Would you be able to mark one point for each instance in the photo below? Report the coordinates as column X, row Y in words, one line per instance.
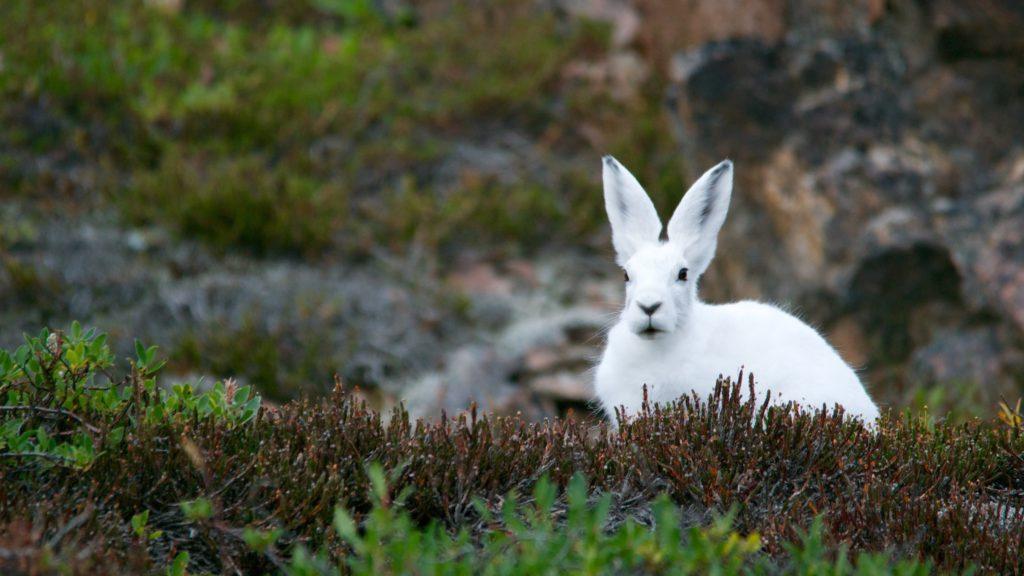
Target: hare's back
column 764, row 328
column 787, row 356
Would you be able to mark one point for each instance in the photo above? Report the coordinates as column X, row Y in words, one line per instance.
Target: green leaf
column 139, row 522
column 260, row 540
column 198, row 509
column 252, row 407
column 378, row 482
column 43, row 440
column 344, row 525
column 179, row 566
column 242, row 395
column 544, row 500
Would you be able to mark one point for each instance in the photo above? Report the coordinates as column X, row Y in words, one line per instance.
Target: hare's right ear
column 631, row 212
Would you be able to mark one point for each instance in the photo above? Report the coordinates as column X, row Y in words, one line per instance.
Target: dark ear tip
column 609, row 161
column 724, row 165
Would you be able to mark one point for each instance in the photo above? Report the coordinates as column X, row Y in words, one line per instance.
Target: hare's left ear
column 632, row 214
column 700, row 215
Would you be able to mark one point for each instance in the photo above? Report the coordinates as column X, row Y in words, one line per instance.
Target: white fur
column 687, row 343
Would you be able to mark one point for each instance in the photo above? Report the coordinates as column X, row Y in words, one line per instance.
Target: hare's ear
column 631, row 212
column 700, row 215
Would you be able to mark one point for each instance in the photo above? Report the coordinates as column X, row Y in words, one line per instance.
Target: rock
column 878, row 181
column 564, row 386
column 847, row 337
column 672, row 25
column 538, row 364
column 474, row 373
column 479, row 279
column 577, row 358
column 985, row 28
column 994, row 253
column 969, row 357
column 541, row 360
column 271, row 321
column 621, row 14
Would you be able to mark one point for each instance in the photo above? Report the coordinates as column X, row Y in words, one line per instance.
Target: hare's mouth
column 650, row 332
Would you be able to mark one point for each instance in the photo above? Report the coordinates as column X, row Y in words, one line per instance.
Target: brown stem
column 52, row 411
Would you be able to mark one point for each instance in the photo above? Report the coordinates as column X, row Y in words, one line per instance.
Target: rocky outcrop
column 537, row 360
column 879, row 183
column 286, row 326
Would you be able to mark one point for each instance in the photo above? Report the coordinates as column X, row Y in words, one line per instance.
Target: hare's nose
column 649, row 309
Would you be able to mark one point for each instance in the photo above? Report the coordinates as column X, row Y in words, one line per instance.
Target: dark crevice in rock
column 890, row 287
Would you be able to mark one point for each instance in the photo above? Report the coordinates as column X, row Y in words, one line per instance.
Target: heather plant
column 105, row 470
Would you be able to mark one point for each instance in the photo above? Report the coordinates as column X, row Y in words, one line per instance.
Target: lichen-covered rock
column 284, row 325
column 878, row 182
column 967, row 358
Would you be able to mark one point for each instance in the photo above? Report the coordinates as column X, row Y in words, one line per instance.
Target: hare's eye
column 682, row 274
column 626, row 274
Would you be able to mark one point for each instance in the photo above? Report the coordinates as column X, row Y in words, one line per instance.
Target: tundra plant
column 62, row 404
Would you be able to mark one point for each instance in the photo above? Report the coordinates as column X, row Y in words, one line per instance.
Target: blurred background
column 407, row 194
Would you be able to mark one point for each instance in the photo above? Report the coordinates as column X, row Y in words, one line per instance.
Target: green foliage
column 239, row 201
column 953, row 401
column 179, row 566
column 811, row 555
column 526, row 540
column 207, row 482
column 224, row 401
column 324, row 123
column 198, row 509
column 479, row 210
column 261, row 541
column 139, row 527
column 62, row 405
column 272, row 361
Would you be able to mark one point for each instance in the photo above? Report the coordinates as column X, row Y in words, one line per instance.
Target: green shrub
column 477, row 211
column 527, row 540
column 61, row 404
column 239, row 202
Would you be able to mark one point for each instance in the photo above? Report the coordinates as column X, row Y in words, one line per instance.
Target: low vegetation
column 105, row 470
column 316, row 125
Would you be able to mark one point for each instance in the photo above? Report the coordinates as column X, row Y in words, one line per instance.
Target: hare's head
column 662, row 265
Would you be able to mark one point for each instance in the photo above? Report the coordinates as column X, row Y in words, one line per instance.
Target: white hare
column 670, row 341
